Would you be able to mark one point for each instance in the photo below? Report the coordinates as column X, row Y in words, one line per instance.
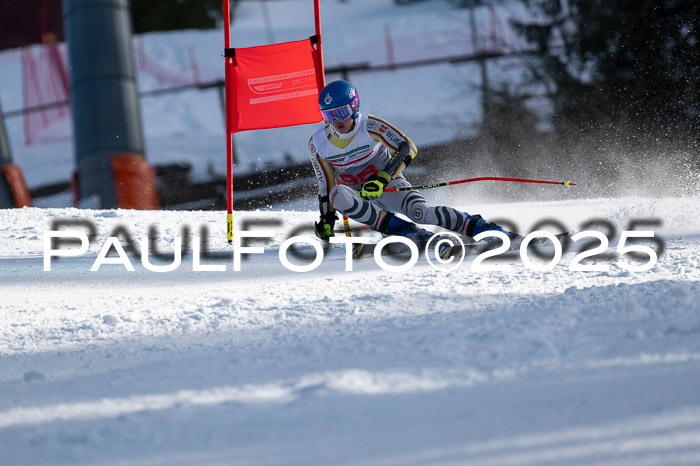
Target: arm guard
column 402, row 158
column 403, row 148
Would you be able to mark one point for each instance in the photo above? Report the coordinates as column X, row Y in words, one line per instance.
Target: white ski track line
column 351, row 381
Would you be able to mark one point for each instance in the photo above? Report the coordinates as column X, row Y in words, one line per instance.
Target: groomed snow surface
column 268, row 366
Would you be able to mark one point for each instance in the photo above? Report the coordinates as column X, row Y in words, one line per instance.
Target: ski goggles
column 339, row 113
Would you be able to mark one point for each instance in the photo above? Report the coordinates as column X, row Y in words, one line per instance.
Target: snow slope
column 269, row 366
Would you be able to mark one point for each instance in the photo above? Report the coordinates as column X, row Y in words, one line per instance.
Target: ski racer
column 355, row 157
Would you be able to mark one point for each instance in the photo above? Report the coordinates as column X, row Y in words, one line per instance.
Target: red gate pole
column 320, row 73
column 229, row 135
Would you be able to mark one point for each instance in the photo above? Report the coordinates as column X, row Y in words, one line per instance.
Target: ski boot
column 393, row 225
column 475, row 224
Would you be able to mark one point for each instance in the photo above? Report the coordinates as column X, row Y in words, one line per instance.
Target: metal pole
column 6, row 200
column 106, row 116
column 482, row 62
column 267, row 21
column 5, row 154
column 13, row 187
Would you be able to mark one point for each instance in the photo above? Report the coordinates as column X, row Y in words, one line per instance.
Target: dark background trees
column 623, row 81
column 628, row 66
column 167, row 15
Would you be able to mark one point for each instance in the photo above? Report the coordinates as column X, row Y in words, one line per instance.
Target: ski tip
column 568, row 183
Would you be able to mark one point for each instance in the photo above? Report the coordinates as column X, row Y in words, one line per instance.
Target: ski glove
column 325, row 226
column 374, row 186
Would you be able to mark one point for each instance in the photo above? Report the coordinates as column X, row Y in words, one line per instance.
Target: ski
column 476, row 248
column 362, row 251
column 469, row 247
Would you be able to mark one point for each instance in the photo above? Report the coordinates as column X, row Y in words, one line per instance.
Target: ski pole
column 348, row 230
column 470, row 180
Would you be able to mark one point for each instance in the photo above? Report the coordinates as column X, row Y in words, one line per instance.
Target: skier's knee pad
column 342, row 197
column 418, row 212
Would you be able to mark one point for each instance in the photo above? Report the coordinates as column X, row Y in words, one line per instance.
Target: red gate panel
column 273, row 86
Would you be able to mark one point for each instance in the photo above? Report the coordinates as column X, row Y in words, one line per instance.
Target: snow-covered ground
column 269, row 366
